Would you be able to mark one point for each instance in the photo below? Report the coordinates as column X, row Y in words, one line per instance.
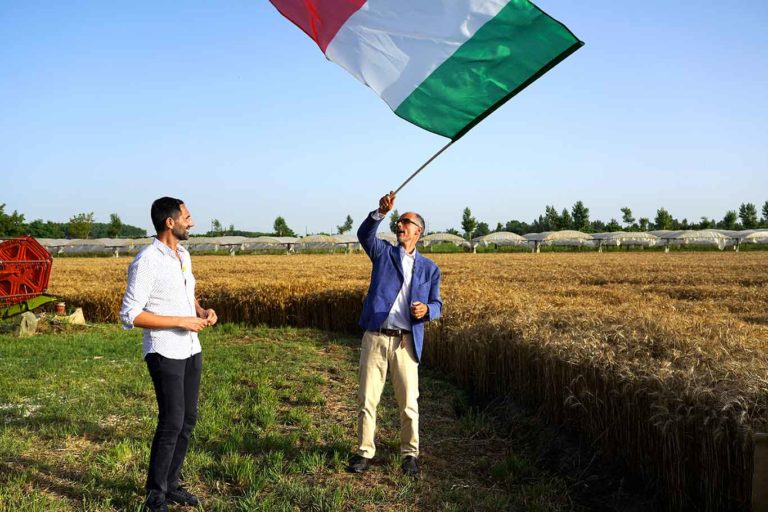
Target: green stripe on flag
column 504, row 56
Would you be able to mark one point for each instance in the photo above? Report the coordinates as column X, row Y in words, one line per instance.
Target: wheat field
column 660, row 358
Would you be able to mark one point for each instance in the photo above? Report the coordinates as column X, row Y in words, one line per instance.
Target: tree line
column 577, row 218
column 80, row 225
column 83, row 225
column 280, row 228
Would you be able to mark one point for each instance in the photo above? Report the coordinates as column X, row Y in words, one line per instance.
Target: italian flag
column 443, row 65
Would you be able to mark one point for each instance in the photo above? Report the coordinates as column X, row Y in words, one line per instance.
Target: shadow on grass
column 76, row 486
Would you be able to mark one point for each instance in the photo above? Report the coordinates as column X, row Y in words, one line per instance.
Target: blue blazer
column 387, row 279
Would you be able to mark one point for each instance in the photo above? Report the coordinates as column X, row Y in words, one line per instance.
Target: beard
column 180, row 234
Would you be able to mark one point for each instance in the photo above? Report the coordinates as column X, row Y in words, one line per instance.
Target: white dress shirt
column 161, row 284
column 400, row 314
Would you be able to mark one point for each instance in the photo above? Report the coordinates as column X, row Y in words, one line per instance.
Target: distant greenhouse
column 349, row 241
column 566, row 238
column 754, row 236
column 261, row 243
column 625, row 238
column 498, row 238
column 719, row 238
column 328, row 242
column 203, row 243
column 704, row 237
column 437, row 238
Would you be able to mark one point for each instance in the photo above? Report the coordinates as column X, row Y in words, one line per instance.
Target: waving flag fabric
column 443, row 65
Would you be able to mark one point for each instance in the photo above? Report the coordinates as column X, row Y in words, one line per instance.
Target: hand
column 386, row 203
column 192, row 323
column 210, row 316
column 418, row 310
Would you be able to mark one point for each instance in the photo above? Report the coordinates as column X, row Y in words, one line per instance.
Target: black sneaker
column 155, row 503
column 410, row 466
column 180, row 496
column 358, row 464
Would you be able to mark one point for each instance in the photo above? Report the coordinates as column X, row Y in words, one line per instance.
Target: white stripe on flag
column 392, row 46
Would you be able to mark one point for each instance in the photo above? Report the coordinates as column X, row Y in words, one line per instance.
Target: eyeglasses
column 406, row 220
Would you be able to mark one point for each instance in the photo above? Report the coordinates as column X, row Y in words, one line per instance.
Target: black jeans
column 177, row 384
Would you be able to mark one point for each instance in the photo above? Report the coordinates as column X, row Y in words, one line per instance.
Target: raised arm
column 366, row 234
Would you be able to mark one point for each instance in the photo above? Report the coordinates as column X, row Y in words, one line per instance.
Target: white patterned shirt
column 161, row 284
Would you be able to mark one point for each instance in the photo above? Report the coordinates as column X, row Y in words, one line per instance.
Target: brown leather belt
column 393, row 332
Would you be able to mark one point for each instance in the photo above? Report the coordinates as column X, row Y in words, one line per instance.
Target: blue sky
column 105, row 106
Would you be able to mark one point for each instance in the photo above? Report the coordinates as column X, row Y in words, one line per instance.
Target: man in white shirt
column 160, row 297
column 403, row 295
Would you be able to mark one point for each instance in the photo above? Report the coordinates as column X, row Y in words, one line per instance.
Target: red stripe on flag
column 320, row 19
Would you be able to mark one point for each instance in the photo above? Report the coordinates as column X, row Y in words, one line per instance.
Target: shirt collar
column 167, row 250
column 403, row 252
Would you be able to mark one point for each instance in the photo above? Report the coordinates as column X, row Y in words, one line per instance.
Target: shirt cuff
column 127, row 317
column 375, row 215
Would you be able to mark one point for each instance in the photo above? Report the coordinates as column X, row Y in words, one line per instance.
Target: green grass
column 276, row 426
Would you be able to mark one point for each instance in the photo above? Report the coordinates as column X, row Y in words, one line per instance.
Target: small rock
column 26, row 325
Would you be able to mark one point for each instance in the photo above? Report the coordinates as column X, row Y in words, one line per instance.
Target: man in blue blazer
column 404, row 294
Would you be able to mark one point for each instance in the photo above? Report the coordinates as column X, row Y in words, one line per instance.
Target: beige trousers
column 378, row 353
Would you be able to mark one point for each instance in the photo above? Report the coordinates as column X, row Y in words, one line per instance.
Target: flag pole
column 423, row 166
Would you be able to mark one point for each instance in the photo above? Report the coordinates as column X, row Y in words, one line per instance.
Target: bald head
column 410, row 227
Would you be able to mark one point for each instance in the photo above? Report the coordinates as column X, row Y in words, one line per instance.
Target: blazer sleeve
column 435, row 304
column 366, row 234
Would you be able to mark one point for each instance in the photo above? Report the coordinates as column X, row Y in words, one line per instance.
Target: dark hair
column 162, row 209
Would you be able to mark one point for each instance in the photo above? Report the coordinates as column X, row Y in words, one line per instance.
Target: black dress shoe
column 155, row 503
column 410, row 466
column 180, row 496
column 358, row 464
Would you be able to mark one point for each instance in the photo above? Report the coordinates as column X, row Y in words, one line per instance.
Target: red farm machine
column 25, row 267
